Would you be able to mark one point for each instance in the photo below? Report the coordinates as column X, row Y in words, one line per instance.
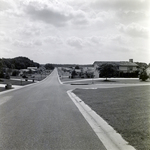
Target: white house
column 123, row 66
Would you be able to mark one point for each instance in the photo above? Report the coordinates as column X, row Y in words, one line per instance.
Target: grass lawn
column 127, row 109
column 102, row 81
column 13, row 82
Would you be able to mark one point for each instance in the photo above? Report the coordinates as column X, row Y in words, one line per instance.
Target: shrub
column 7, row 76
column 143, row 76
column 1, row 74
column 15, row 73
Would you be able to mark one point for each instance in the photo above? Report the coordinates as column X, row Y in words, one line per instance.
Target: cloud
column 121, row 4
column 56, row 13
column 120, row 39
column 37, row 43
column 135, row 30
column 80, row 18
column 131, row 16
column 74, row 42
column 4, row 5
column 53, row 40
column 6, row 50
column 94, row 40
column 50, row 13
column 4, row 37
column 30, row 44
column 95, row 27
column 29, row 30
column 10, row 8
column 2, row 34
column 19, row 43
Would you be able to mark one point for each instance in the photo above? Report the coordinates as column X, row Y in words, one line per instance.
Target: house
column 87, row 72
column 23, row 71
column 123, row 66
column 148, row 71
column 34, row 69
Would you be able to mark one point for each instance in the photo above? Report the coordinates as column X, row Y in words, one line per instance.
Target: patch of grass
column 16, row 82
column 103, row 81
column 127, row 109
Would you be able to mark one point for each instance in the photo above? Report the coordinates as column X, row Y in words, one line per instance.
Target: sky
column 75, row 31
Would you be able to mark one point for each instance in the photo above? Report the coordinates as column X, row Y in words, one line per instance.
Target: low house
column 123, row 66
column 87, row 72
column 33, row 69
column 23, row 71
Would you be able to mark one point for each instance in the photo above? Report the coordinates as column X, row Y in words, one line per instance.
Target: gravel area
column 127, row 109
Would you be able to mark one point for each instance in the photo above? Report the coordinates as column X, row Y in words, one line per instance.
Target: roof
column 118, row 63
column 31, row 67
column 78, row 70
column 90, row 70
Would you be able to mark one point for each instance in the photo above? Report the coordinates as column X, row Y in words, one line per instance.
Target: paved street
column 42, row 116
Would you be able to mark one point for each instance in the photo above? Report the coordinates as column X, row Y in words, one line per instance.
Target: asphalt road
column 43, row 117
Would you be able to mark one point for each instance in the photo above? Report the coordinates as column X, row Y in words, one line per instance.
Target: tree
column 143, row 75
column 108, row 70
column 49, row 66
column 15, row 73
column 141, row 65
column 17, row 63
column 77, row 67
column 73, row 74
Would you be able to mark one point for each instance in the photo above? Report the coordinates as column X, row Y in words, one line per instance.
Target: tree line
column 17, row 63
column 12, row 65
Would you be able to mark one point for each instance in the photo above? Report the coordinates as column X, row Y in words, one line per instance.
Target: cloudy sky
column 75, row 31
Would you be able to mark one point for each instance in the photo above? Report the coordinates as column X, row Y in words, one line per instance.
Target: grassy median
column 127, row 109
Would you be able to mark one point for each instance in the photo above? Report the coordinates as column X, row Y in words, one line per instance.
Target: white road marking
column 107, row 135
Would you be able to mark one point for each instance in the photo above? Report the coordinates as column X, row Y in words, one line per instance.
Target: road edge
column 107, row 135
column 21, row 87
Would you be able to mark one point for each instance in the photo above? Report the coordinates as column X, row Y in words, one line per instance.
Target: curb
column 107, row 135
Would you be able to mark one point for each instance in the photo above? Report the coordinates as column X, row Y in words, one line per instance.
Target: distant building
column 123, row 66
column 32, row 68
column 148, row 71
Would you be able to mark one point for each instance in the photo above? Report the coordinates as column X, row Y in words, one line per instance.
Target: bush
column 1, row 74
column 7, row 76
column 143, row 76
column 73, row 74
column 15, row 73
